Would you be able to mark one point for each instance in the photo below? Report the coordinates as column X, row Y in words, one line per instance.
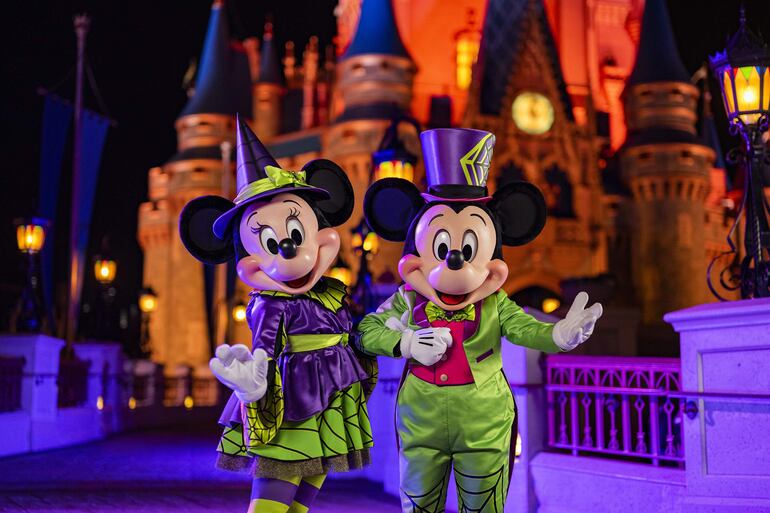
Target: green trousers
column 461, row 427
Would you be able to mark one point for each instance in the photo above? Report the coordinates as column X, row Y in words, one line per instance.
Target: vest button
column 443, row 377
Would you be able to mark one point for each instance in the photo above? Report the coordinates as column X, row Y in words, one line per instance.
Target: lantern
column 239, row 312
column 392, row 159
column 550, row 304
column 105, row 270
column 30, row 234
column 341, row 271
column 467, row 43
column 364, row 240
column 742, row 71
column 148, row 300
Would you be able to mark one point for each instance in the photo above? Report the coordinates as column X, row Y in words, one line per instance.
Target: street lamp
column 30, row 237
column 366, row 244
column 105, row 269
column 742, row 70
column 148, row 302
column 392, row 159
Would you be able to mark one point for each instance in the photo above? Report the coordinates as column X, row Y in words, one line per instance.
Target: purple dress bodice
column 309, row 378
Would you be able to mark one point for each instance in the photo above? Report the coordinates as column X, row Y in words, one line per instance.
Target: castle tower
column 268, row 89
column 374, row 86
column 519, row 93
column 667, row 168
column 179, row 330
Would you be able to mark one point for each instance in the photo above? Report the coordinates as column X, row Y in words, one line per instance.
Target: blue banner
column 94, row 130
column 57, row 118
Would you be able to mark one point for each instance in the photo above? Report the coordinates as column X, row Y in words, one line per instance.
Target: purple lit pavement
column 152, row 471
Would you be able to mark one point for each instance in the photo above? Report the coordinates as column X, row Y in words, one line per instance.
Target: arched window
column 558, row 193
column 510, row 173
column 537, row 297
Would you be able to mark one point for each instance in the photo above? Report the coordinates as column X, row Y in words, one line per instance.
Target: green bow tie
column 434, row 312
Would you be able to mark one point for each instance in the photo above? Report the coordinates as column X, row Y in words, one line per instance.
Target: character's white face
column 287, row 251
column 455, row 265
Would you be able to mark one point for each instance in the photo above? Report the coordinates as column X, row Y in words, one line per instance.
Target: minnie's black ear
column 390, row 205
column 196, row 230
column 330, row 177
column 520, row 209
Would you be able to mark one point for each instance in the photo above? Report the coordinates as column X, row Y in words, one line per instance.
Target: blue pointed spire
column 222, row 75
column 269, row 66
column 657, row 59
column 377, row 31
column 710, row 136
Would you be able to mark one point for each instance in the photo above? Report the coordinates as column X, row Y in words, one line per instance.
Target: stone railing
column 11, row 371
column 48, row 402
column 72, row 382
column 622, row 407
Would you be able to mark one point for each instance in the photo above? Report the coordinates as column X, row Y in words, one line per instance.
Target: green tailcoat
column 497, row 317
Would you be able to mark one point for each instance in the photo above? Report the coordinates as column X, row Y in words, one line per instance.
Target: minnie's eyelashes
column 294, row 212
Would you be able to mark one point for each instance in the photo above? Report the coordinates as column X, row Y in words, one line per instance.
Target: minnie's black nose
column 287, row 248
column 455, row 260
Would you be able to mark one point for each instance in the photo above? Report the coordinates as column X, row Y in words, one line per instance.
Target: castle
column 589, row 100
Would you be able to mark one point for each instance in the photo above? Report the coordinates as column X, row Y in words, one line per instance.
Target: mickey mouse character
column 455, row 408
column 298, row 409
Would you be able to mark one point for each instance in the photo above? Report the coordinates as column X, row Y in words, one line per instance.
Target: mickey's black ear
column 330, row 177
column 390, row 205
column 521, row 211
column 196, row 224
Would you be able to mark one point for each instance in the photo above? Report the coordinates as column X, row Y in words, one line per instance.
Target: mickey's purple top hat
column 258, row 177
column 457, row 163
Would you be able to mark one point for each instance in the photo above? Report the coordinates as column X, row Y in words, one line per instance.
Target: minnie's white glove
column 426, row 345
column 578, row 325
column 241, row 371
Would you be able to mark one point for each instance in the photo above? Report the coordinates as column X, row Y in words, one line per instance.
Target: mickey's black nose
column 455, row 260
column 287, row 248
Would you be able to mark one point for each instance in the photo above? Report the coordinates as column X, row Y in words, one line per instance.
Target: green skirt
column 337, row 439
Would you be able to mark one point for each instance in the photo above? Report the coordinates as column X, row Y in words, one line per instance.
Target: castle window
column 466, row 51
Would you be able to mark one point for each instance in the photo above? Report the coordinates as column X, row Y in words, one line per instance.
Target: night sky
column 139, row 52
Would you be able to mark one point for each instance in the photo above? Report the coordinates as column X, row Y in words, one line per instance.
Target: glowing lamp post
column 30, row 237
column 148, row 303
column 742, row 70
column 105, row 270
column 392, row 159
column 366, row 244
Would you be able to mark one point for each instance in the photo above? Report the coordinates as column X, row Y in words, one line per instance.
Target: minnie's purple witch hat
column 258, row 177
column 457, row 163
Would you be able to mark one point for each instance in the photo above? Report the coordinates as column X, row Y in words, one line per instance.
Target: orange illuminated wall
column 596, row 41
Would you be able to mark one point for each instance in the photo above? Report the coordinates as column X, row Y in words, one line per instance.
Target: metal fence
column 615, row 406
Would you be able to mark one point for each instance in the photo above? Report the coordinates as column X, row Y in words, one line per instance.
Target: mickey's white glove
column 426, row 345
column 578, row 325
column 241, row 371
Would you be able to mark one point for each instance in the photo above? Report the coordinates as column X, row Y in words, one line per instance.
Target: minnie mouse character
column 455, row 408
column 298, row 409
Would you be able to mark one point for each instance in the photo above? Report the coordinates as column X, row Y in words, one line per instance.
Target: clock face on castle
column 532, row 113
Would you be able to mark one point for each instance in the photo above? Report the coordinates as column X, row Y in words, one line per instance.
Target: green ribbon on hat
column 276, row 179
